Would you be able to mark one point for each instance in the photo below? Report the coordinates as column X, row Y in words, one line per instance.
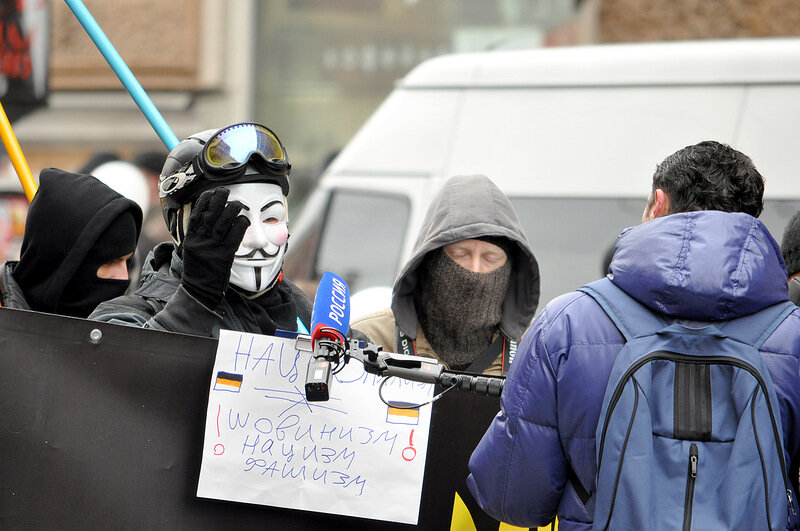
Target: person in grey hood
column 470, row 287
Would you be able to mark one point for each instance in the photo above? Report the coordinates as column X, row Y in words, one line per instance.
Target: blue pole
column 123, row 73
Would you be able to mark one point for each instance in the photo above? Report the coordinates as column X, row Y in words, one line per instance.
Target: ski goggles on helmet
column 229, row 151
column 239, row 153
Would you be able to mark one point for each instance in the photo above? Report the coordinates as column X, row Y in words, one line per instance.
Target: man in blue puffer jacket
column 699, row 255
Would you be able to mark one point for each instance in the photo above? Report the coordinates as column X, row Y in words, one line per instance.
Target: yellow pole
column 17, row 158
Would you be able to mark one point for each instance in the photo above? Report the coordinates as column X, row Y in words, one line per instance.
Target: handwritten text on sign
column 351, row 455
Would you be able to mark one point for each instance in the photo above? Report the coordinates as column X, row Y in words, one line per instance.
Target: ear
column 660, row 204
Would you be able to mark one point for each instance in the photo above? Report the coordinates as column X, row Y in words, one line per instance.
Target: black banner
column 24, row 55
column 101, row 426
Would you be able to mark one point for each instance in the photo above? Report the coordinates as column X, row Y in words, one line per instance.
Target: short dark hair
column 710, row 176
column 790, row 245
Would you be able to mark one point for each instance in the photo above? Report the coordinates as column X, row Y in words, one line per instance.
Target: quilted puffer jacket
column 696, row 266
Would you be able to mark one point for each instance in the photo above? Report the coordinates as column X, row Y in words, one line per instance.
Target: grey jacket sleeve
column 185, row 314
column 181, row 313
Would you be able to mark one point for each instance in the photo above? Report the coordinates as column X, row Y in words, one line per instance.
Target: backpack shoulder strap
column 631, row 317
column 755, row 328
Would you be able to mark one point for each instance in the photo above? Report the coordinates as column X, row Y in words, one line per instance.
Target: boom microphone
column 330, row 320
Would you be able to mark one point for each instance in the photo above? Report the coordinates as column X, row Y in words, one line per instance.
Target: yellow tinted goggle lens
column 235, row 145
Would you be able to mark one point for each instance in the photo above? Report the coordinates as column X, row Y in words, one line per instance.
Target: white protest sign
column 351, row 455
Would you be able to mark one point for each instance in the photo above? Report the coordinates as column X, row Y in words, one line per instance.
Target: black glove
column 214, row 233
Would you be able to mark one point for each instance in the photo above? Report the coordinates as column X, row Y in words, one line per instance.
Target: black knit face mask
column 458, row 309
column 85, row 289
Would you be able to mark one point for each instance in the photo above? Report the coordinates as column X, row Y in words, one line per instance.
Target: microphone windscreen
column 331, row 315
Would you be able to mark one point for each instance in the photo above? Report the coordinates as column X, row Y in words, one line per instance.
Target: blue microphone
column 330, row 320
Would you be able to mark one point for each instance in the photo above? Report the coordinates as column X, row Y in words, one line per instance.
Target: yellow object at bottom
column 462, row 520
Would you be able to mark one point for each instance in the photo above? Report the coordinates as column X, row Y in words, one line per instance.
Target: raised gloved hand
column 214, row 234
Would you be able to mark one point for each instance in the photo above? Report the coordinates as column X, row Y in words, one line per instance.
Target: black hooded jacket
column 68, row 216
column 161, row 302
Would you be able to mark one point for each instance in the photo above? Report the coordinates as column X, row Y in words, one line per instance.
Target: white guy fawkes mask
column 259, row 258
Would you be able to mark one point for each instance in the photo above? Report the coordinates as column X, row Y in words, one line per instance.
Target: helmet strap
column 182, row 222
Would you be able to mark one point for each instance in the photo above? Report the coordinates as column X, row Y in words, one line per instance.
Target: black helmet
column 239, row 153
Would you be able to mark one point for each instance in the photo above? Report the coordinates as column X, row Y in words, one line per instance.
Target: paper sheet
column 351, row 455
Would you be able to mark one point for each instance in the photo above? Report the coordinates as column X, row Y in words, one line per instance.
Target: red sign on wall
column 24, row 55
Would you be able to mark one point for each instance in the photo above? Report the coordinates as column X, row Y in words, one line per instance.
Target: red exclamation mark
column 219, row 448
column 409, row 452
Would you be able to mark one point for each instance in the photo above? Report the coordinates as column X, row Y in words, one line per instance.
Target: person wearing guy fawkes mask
column 223, row 195
column 470, row 287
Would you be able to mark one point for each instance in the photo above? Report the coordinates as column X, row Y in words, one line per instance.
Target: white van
column 572, row 135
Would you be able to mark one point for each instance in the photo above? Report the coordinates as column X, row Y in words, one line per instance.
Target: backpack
column 689, row 434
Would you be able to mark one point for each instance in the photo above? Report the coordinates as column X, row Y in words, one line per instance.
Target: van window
column 571, row 237
column 362, row 238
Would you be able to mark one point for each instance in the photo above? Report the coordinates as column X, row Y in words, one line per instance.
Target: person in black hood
column 223, row 197
column 79, row 234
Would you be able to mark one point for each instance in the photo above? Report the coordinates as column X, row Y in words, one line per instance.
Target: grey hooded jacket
column 467, row 207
